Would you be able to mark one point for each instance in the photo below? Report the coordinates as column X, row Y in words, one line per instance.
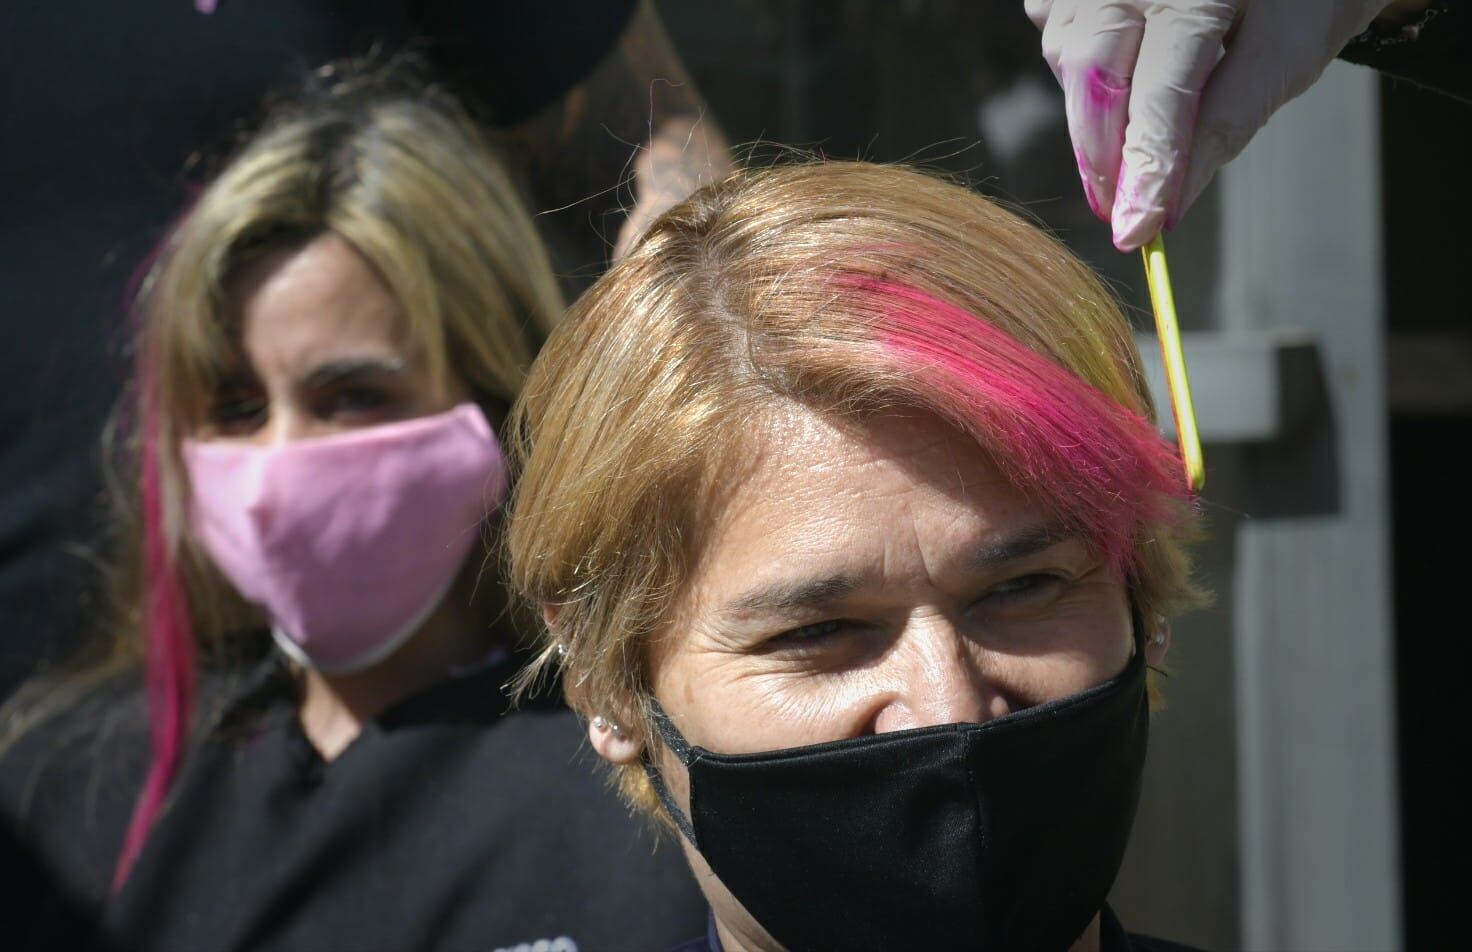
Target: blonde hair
column 851, row 288
column 371, row 151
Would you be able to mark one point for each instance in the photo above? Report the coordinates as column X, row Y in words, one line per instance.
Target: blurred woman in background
column 843, row 502
column 327, row 342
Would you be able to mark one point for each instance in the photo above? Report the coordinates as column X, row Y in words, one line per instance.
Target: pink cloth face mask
column 350, row 541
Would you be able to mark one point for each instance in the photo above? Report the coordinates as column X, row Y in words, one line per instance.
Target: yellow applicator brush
column 1163, row 302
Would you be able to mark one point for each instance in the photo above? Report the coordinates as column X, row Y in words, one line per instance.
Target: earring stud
column 601, row 723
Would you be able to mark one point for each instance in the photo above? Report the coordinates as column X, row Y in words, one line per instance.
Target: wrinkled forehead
column 807, row 487
column 813, row 449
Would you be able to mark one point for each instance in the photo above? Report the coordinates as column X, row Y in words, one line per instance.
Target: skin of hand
column 1161, row 93
column 684, row 154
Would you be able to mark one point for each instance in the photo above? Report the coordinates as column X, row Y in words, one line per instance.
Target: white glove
column 1161, row 93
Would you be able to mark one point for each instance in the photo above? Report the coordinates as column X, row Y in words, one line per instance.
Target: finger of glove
column 1058, row 21
column 1264, row 67
column 1037, row 11
column 1177, row 55
column 1097, row 61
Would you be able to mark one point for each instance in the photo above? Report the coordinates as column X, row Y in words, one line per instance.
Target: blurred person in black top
column 291, row 731
column 101, row 105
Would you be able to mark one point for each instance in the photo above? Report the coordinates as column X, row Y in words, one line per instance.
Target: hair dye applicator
column 1163, row 303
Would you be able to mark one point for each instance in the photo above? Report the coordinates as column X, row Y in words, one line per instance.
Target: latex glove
column 1161, row 93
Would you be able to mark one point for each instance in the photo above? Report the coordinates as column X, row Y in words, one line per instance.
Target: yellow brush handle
column 1157, row 274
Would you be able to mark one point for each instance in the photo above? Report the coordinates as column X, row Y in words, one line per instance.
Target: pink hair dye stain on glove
column 1105, row 88
column 1098, row 133
column 1100, row 466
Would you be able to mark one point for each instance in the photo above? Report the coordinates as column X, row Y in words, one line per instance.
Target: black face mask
column 1001, row 835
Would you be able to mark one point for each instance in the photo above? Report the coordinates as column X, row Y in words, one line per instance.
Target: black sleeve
column 517, row 57
column 1434, row 51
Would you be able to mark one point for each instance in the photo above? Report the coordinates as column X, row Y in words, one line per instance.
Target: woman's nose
column 937, row 680
column 284, row 424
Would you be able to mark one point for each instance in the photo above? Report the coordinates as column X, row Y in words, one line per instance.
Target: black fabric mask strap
column 671, row 735
column 676, row 742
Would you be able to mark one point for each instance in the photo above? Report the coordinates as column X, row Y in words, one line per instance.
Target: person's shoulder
column 67, row 786
column 541, row 749
column 95, row 747
column 70, row 778
column 535, row 812
column 533, row 754
column 92, row 743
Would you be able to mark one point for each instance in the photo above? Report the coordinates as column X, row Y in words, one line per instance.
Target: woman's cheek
column 771, row 711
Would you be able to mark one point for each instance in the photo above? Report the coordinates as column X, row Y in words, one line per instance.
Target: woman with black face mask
column 854, row 538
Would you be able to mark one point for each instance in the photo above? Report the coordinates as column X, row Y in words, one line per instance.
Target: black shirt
column 1112, row 938
column 101, row 105
column 449, row 823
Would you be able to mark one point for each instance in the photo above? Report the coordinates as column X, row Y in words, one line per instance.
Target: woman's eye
column 807, row 635
column 1025, row 586
column 355, row 400
column 238, row 414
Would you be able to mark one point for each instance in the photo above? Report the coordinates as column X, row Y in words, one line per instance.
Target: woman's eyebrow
column 792, row 598
column 236, row 380
column 1019, row 545
column 788, row 598
column 337, row 371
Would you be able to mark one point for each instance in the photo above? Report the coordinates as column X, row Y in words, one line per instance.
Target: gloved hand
column 1154, row 104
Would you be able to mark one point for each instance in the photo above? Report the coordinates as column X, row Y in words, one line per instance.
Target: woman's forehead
column 796, row 448
column 821, row 487
column 294, row 309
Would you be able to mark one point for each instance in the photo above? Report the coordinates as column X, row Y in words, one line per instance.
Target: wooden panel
column 1316, row 764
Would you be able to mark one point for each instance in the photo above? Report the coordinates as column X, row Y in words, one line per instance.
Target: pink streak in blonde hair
column 1102, row 467
column 170, row 642
column 168, row 631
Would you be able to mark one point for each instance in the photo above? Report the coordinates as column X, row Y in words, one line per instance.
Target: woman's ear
column 1158, row 644
column 613, row 742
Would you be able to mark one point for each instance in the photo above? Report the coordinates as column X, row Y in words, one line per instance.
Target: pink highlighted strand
column 1103, row 468
column 170, row 674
